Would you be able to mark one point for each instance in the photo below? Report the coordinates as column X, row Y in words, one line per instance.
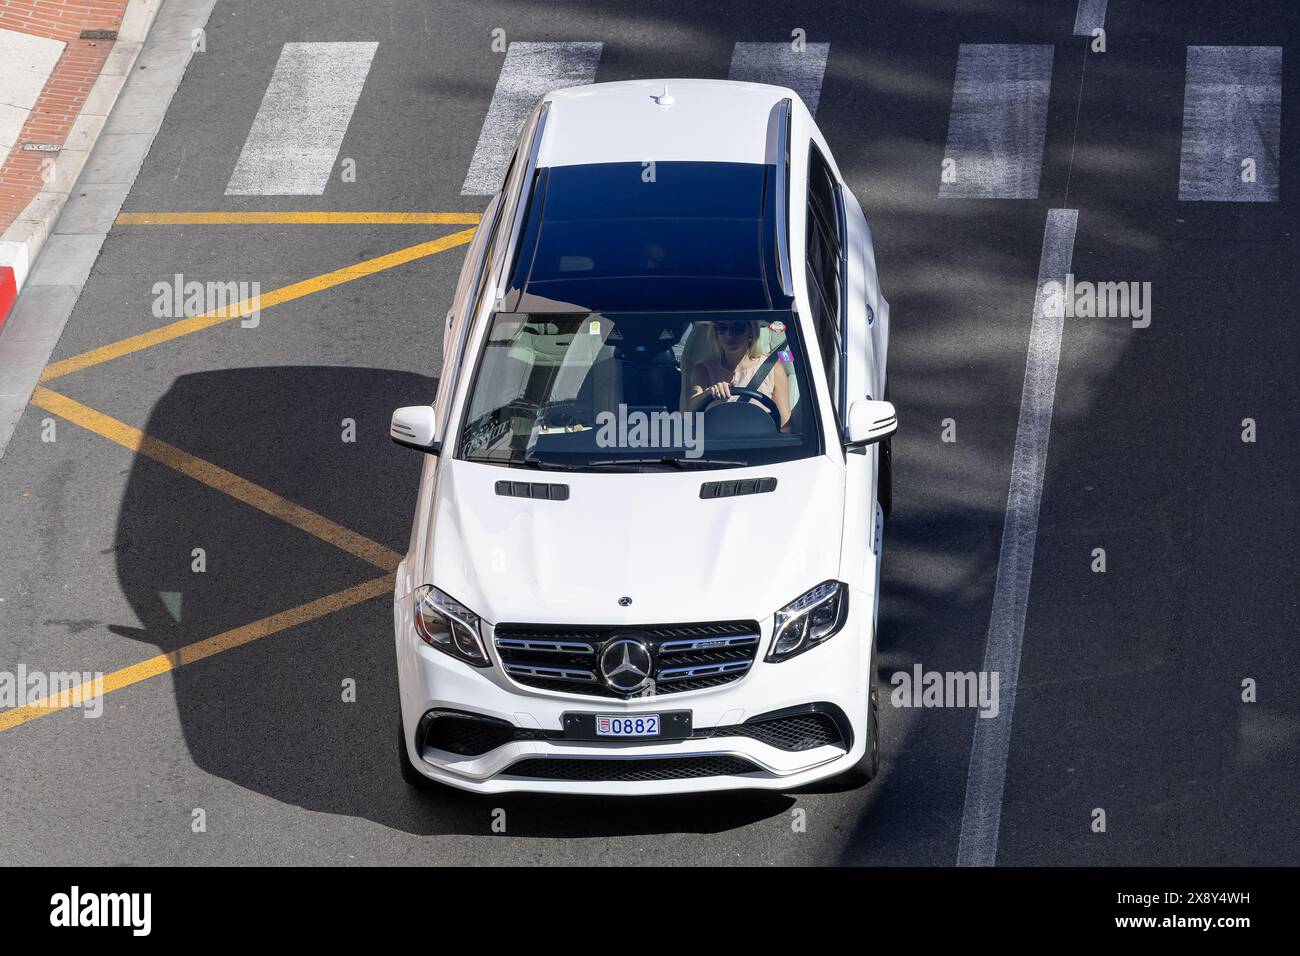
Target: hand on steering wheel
column 738, row 391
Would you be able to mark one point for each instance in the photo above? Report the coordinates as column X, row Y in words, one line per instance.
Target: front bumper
column 835, row 676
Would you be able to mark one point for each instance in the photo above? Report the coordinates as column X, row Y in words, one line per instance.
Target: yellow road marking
column 162, row 663
column 296, row 218
column 216, row 477
column 106, row 353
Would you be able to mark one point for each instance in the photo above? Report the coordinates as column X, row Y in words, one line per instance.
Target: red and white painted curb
column 13, row 272
column 21, row 239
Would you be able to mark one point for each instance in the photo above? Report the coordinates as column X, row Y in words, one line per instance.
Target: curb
column 13, row 273
column 22, row 241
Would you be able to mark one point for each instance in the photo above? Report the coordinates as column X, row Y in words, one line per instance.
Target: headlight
column 449, row 626
column 809, row 619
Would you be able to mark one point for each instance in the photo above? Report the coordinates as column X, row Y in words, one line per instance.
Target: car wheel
column 409, row 773
column 868, row 765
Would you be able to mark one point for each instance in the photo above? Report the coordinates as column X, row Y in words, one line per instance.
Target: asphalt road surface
column 1129, row 698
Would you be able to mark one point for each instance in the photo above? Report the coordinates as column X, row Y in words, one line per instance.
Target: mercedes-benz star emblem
column 626, row 665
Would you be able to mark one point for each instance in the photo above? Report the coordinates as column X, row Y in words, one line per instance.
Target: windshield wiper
column 542, row 465
column 682, row 464
column 527, row 462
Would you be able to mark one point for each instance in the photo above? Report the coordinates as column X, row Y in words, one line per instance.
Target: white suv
column 646, row 548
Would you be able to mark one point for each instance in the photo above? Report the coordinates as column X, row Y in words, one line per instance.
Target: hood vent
column 730, row 489
column 533, row 489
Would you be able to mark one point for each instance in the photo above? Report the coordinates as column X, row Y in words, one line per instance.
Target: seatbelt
column 764, row 369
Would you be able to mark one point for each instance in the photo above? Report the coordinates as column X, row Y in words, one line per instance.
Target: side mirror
column 869, row 422
column 412, row 426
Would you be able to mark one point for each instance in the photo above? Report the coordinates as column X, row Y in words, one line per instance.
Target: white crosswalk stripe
column 299, row 127
column 530, row 71
column 997, row 122
column 781, row 64
column 1091, row 15
column 1232, row 112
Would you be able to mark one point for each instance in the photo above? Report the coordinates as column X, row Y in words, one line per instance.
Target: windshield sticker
column 777, row 327
column 485, row 435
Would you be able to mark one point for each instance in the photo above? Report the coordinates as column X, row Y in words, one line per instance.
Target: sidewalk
column 62, row 65
column 69, row 212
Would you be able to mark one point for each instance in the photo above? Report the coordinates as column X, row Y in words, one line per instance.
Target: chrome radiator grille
column 565, row 658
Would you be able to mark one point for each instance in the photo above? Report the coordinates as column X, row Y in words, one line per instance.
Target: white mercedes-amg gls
column 647, row 539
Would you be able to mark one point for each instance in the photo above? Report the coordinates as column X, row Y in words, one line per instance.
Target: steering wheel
column 769, row 406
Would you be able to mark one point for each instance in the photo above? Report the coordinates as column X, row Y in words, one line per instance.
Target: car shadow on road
column 271, row 716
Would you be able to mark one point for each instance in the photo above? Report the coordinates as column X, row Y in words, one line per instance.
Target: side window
column 823, row 257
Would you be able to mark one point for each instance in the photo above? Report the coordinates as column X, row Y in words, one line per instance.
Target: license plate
column 667, row 725
column 632, row 725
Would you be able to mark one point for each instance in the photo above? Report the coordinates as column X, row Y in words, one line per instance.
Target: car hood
column 648, row 537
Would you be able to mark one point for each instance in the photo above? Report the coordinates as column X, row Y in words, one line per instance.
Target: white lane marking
column 299, row 127
column 1232, row 115
column 982, row 813
column 530, row 71
column 1090, row 16
column 781, row 65
column 998, row 121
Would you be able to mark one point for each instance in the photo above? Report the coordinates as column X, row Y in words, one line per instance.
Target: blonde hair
column 755, row 348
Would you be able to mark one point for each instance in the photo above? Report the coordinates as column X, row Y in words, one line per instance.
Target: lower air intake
column 630, row 771
column 796, row 732
column 465, row 735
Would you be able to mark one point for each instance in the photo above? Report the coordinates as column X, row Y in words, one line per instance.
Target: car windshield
column 639, row 391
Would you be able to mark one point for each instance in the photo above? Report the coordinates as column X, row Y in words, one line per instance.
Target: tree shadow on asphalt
column 1130, row 681
column 270, row 716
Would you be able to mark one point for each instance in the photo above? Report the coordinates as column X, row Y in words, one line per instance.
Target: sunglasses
column 735, row 328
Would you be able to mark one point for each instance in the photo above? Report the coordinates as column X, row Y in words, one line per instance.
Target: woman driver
column 738, row 356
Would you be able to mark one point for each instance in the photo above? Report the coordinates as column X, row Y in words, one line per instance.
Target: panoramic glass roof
column 631, row 237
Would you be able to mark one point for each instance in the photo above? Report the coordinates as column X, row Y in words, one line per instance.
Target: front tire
column 412, row 776
column 868, row 765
